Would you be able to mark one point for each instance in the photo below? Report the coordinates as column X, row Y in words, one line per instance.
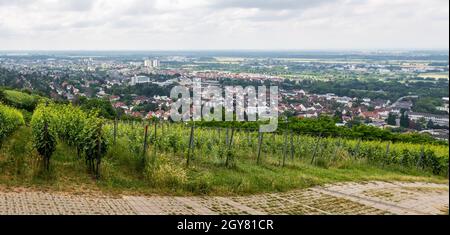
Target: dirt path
column 349, row 198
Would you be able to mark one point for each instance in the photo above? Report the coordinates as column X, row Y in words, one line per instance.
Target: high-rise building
column 148, row 63
column 155, row 63
column 151, row 63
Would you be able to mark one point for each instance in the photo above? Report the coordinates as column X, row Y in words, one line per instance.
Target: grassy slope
column 19, row 167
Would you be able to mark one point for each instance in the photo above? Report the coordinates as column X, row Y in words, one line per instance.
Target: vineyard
column 227, row 146
column 19, row 99
column 10, row 120
column 71, row 125
column 71, row 144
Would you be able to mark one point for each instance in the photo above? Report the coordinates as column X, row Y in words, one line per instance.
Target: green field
column 434, row 75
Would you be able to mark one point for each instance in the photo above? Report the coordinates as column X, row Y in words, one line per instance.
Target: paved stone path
column 373, row 198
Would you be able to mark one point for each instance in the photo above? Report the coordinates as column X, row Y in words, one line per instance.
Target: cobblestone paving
column 39, row 203
column 371, row 198
column 397, row 198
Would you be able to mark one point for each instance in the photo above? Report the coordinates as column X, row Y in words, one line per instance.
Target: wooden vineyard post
column 285, row 148
column 191, row 145
column 232, row 137
column 316, row 148
column 388, row 148
column 229, row 147
column 155, row 146
column 260, row 140
column 336, row 147
column 145, row 141
column 97, row 163
column 422, row 156
column 227, row 136
column 47, row 156
column 292, row 145
column 154, row 135
column 299, row 142
column 358, row 146
column 115, row 130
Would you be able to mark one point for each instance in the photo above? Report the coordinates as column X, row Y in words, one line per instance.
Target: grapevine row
column 67, row 123
column 226, row 146
column 10, row 120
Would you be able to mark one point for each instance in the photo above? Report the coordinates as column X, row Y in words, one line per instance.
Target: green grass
column 124, row 173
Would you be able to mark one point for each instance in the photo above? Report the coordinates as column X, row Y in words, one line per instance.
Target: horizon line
column 229, row 50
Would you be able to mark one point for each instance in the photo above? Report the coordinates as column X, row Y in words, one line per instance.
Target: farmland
column 434, row 75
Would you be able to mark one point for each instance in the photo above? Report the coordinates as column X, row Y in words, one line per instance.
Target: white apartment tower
column 151, row 63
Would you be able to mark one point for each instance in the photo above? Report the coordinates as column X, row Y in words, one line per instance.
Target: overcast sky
column 223, row 24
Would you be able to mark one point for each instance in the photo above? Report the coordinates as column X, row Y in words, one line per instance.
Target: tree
column 430, row 124
column 392, row 119
column 356, row 121
column 415, row 125
column 422, row 122
column 289, row 113
column 404, row 120
column 104, row 107
column 338, row 116
column 428, row 105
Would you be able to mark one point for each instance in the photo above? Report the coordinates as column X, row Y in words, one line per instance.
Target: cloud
column 76, row 5
column 48, row 5
column 14, row 3
column 269, row 4
column 223, row 24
